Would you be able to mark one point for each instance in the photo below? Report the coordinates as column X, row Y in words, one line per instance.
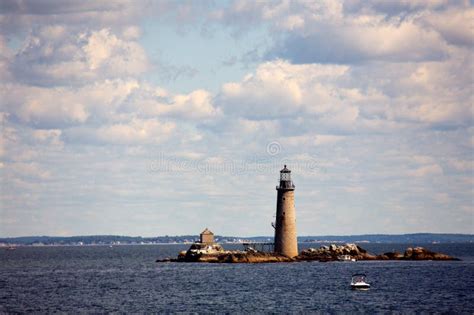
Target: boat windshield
column 358, row 277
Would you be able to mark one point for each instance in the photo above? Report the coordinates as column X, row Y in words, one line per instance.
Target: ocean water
column 98, row 279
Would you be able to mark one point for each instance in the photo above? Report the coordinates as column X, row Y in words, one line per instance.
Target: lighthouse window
column 283, row 198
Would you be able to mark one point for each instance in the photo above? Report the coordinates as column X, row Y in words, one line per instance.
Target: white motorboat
column 358, row 282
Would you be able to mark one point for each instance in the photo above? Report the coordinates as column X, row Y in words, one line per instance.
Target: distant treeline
column 394, row 238
column 115, row 239
column 96, row 239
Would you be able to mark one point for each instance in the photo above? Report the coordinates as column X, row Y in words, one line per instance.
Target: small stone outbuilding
column 206, row 237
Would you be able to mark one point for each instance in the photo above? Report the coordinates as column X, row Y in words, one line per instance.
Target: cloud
column 355, row 189
column 279, row 89
column 53, row 56
column 29, row 170
column 42, row 108
column 454, row 25
column 348, row 32
column 394, row 8
column 63, row 106
column 329, row 44
column 17, row 16
column 154, row 101
column 50, row 136
column 337, row 98
column 5, row 56
column 466, row 166
column 137, row 131
column 309, row 140
column 433, row 169
column 328, row 139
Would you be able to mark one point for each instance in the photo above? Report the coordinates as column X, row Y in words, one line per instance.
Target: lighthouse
column 285, row 225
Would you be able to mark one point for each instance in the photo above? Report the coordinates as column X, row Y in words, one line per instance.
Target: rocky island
column 214, row 253
column 207, row 251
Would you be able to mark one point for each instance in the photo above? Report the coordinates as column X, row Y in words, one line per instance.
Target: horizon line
column 217, row 235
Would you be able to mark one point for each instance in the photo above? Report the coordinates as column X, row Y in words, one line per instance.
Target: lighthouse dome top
column 285, row 170
column 285, row 178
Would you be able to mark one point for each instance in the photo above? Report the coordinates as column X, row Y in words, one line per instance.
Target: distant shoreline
column 108, row 240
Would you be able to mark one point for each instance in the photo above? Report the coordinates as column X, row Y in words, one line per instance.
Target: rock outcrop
column 229, row 257
column 335, row 252
column 420, row 253
column 352, row 252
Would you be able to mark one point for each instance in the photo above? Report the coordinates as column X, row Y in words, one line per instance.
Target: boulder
column 334, row 252
column 352, row 247
column 361, row 250
column 420, row 253
column 393, row 255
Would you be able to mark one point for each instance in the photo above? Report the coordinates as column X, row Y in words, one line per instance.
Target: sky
column 165, row 117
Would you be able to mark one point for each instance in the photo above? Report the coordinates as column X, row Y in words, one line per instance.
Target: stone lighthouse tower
column 285, row 226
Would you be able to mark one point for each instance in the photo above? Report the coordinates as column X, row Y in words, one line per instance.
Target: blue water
column 97, row 279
